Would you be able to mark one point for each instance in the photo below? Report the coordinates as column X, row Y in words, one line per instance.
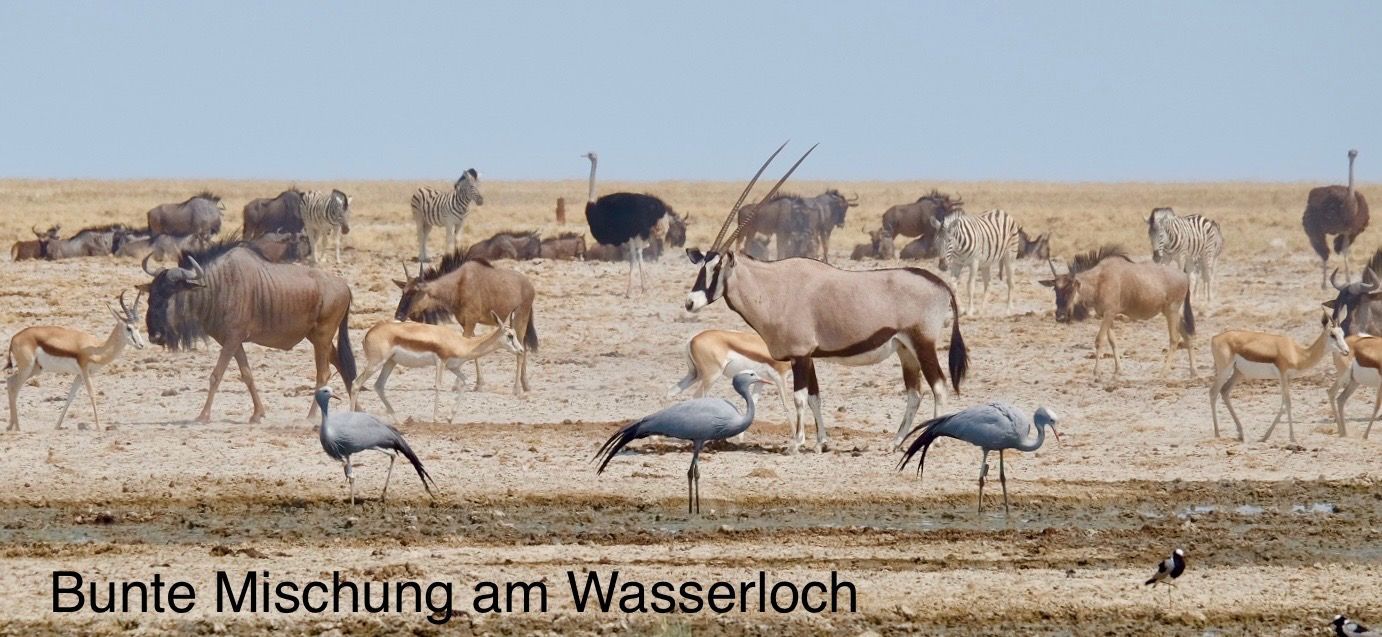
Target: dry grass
column 1081, row 215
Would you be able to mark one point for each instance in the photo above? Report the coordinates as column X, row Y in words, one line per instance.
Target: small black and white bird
column 1169, row 569
column 1345, row 627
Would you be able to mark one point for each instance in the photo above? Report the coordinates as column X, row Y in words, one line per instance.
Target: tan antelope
column 805, row 309
column 1359, row 364
column 392, row 343
column 60, row 349
column 712, row 354
column 1241, row 354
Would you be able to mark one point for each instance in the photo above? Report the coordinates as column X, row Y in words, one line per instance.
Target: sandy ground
column 1280, row 536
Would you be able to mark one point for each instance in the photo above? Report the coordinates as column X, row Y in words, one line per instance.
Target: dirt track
column 1280, row 537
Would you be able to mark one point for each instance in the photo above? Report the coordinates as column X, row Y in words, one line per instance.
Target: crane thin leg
column 350, row 477
column 1003, row 480
column 385, row 494
column 983, row 471
column 693, row 480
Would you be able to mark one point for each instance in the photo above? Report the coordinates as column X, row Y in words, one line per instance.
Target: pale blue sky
column 1070, row 91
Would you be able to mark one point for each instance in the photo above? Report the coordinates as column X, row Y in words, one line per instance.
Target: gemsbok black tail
column 959, row 354
column 345, row 357
column 1187, row 322
column 616, row 443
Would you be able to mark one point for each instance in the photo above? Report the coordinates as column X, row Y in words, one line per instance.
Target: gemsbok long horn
column 743, row 223
column 744, row 195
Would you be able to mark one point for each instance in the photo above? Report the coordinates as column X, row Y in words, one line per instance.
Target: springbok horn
column 1332, row 276
column 124, row 307
column 145, row 264
column 745, row 222
column 134, row 309
column 733, row 211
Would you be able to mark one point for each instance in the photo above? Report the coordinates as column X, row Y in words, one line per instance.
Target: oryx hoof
column 793, row 449
column 823, row 446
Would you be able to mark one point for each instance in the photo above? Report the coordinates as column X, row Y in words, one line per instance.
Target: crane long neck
column 747, row 418
column 590, row 194
column 1032, row 444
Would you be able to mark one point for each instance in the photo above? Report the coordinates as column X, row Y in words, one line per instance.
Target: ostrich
column 1338, row 210
column 625, row 219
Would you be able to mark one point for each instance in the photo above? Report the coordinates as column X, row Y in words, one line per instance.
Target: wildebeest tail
column 923, row 442
column 1187, row 322
column 959, row 354
column 407, row 451
column 530, row 339
column 345, row 357
column 616, row 443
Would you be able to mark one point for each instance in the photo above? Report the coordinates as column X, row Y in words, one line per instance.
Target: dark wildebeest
column 279, row 214
column 918, row 219
column 920, row 249
column 520, row 246
column 1358, row 306
column 229, row 293
column 36, row 248
column 1338, row 210
column 783, row 215
column 88, row 242
column 603, row 252
column 1108, row 283
column 473, row 292
column 675, row 237
column 878, row 247
column 1029, row 248
column 567, row 246
column 163, row 247
column 282, row 247
column 201, row 214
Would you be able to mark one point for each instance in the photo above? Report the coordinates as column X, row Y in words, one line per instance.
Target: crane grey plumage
column 993, row 427
column 699, row 420
column 347, row 433
column 1345, row 627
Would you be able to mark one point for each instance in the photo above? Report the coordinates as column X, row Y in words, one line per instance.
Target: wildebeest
column 473, row 292
column 919, row 249
column 567, row 246
column 1106, row 282
column 878, row 247
column 279, row 214
column 282, row 247
column 35, row 248
column 603, row 252
column 163, row 247
column 1358, row 306
column 88, row 242
column 918, row 219
column 1029, row 248
column 200, row 214
column 785, row 215
column 520, row 246
column 228, row 293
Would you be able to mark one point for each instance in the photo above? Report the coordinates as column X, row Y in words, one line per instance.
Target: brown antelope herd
column 769, row 261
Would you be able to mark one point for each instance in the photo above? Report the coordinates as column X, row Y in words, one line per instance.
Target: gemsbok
column 1361, row 364
column 712, row 354
column 1108, row 284
column 393, row 343
column 805, row 309
column 60, row 349
column 1241, row 354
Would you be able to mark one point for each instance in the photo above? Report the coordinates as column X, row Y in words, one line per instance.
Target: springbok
column 805, row 309
column 392, row 343
column 712, row 354
column 60, row 349
column 1262, row 356
column 1360, row 364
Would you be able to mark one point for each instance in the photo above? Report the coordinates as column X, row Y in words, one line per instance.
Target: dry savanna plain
column 1279, row 536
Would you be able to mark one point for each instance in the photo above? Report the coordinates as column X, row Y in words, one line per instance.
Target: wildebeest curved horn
column 406, row 276
column 1332, row 276
column 145, row 264
column 198, row 272
column 36, row 232
column 1370, row 282
column 1051, row 262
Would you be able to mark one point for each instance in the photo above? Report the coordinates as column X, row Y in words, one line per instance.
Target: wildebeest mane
column 207, row 255
column 205, row 194
column 569, row 235
column 1087, row 260
column 99, row 229
column 450, row 263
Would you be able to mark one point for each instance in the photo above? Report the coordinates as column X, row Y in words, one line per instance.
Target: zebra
column 977, row 242
column 1194, row 241
column 323, row 215
column 447, row 209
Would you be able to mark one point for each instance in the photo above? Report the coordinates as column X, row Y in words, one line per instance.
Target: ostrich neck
column 590, row 194
column 1034, row 444
column 1350, row 179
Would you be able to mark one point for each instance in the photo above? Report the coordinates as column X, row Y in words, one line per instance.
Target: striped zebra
column 1193, row 241
column 978, row 242
column 446, row 209
column 325, row 214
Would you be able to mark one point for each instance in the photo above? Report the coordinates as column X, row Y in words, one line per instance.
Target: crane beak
column 1057, row 434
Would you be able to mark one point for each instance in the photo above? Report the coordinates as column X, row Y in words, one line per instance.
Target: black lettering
column 527, row 588
column 490, row 598
column 789, row 587
column 806, row 597
column 307, row 593
column 662, row 593
column 691, row 591
column 603, row 597
column 181, row 591
column 441, row 613
column 835, row 588
column 721, row 591
column 223, row 592
column 286, row 592
column 74, row 589
column 632, row 600
column 125, row 589
column 336, row 586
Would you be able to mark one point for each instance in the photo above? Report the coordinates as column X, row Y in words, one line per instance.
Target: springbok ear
column 400, row 284
column 695, row 256
column 1325, row 319
column 497, row 320
column 1050, row 283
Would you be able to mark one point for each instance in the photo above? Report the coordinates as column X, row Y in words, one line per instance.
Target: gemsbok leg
column 807, row 393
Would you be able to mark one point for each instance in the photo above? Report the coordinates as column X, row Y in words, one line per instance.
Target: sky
column 1051, row 91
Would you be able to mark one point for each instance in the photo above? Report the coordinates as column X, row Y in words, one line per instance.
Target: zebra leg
column 451, row 237
column 984, row 300
column 969, row 289
column 336, row 230
column 422, row 231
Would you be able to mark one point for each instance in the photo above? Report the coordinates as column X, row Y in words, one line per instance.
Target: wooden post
column 561, row 210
